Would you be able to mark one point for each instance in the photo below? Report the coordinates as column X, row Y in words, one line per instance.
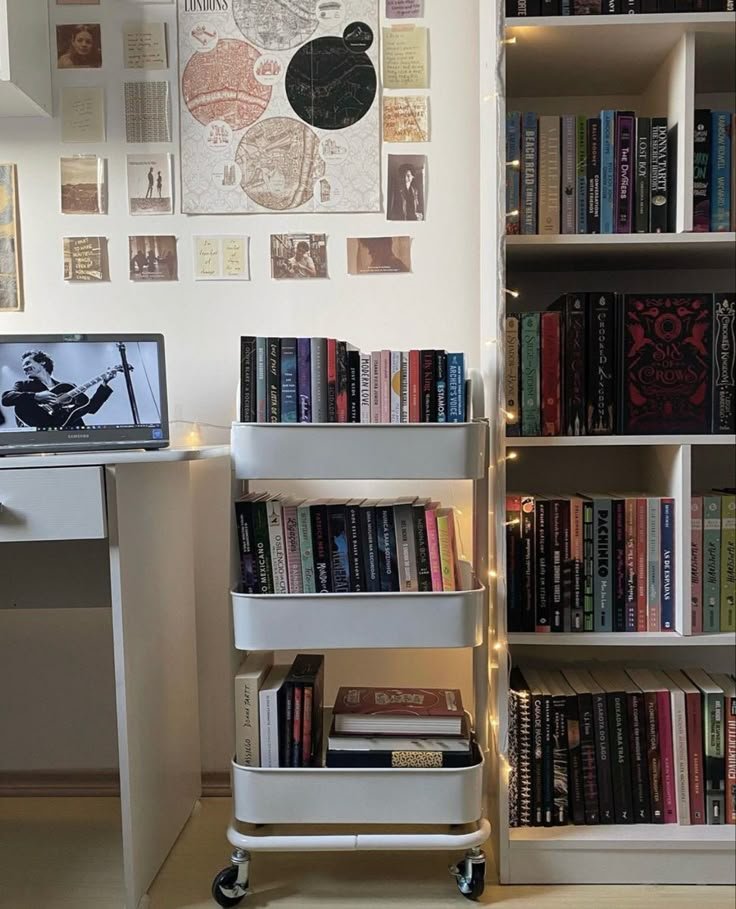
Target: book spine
column 574, row 365
column 728, row 563
column 435, row 566
column 304, row 380
column 694, row 718
column 456, row 388
column 385, row 386
column 555, row 556
column 588, row 567
column 513, row 172
column 642, row 589
column 388, row 565
column 306, row 550
column 603, row 759
column 724, row 364
column 278, row 546
column 715, row 767
column 421, row 547
column 353, row 389
column 331, row 380
column 630, row 565
column 560, row 761
column 269, row 727
column 446, row 555
column 307, row 757
column 603, row 596
column 664, row 729
column 513, row 758
column 319, row 379
column 588, row 758
column 405, row 548
column 618, row 563
column 624, row 193
column 286, row 724
column 247, row 722
column 293, row 549
column 428, row 400
column 395, row 386
column 261, row 379
column 654, row 757
column 549, row 175
column 537, row 711
column 296, row 732
column 567, row 565
column 365, row 388
column 414, row 387
column 338, row 542
column 680, row 753
column 569, row 207
column 542, row 562
column 548, row 779
column 550, row 391
column 577, row 544
column 527, row 582
column 529, row 174
column 246, row 547
column 530, row 384
column 248, row 410
column 639, row 766
column 658, row 201
column 618, row 735
column 667, row 564
column 514, row 580
column 730, row 758
column 405, row 386
column 376, row 386
column 581, row 174
column 264, row 570
column 643, row 166
column 288, row 381
column 720, row 201
column 601, row 351
column 711, row 564
column 608, row 171
column 654, row 608
column 524, row 738
column 701, row 171
column 440, row 371
column 732, row 5
column 593, row 176
column 696, row 565
column 341, row 382
column 369, row 536
column 355, row 549
column 321, row 547
column 273, row 381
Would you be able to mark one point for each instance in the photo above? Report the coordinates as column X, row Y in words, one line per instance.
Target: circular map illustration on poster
column 330, row 86
column 221, row 85
column 280, row 162
column 276, row 24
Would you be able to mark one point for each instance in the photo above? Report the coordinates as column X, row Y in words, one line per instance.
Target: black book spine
column 557, row 623
column 685, row 6
column 701, row 171
column 588, row 759
column 353, row 386
column 658, row 188
column 611, row 8
column 631, row 7
column 618, row 557
column 427, row 390
column 601, row 364
column 387, row 557
column 439, row 404
column 369, row 538
column 537, row 759
column 513, row 564
column 672, row 179
column 560, row 746
column 603, row 759
column 287, row 725
column 321, row 548
column 638, row 751
column 574, row 365
column 337, row 533
column 550, row 7
column 248, row 379
column 548, row 765
column 527, row 586
column 649, row 6
column 620, row 762
column 575, row 758
column 643, row 167
column 264, row 569
column 421, row 545
column 724, row 362
column 273, row 381
column 594, row 175
column 543, row 571
column 246, row 547
column 355, row 549
column 665, row 6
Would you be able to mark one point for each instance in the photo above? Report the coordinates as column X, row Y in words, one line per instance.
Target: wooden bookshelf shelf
column 629, row 836
column 600, row 639
column 594, row 252
column 607, row 441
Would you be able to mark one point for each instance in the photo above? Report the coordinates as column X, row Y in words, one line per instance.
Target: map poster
column 280, row 106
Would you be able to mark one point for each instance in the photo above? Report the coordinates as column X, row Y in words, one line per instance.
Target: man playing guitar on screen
column 41, row 401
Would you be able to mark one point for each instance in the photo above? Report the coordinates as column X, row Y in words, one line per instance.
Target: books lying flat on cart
column 397, row 711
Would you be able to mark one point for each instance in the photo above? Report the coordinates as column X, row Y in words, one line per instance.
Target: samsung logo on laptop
column 78, row 435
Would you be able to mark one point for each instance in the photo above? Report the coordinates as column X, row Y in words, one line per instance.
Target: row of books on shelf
column 590, row 563
column 714, row 170
column 289, row 546
column 325, row 380
column 279, row 721
column 628, row 364
column 611, row 174
column 615, row 746
column 713, row 564
column 613, row 7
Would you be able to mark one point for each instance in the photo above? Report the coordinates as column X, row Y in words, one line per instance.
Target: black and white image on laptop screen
column 79, row 384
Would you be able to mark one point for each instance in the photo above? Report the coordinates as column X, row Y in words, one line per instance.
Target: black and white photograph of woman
column 406, row 187
column 78, row 47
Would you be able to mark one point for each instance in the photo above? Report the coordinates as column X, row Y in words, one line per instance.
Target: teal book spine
column 530, row 401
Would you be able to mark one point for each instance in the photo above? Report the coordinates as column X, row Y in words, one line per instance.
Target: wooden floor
column 65, row 854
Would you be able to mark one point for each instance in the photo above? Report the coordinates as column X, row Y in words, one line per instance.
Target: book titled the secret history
column 666, row 361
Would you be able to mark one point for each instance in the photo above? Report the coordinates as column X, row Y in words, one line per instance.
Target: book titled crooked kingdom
column 666, row 363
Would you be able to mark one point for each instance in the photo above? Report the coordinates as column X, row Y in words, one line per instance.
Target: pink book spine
column 641, row 564
column 433, row 541
column 293, row 551
column 666, row 751
column 696, row 564
column 694, row 715
column 385, row 386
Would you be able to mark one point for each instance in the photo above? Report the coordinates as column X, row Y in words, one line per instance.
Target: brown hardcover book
column 420, row 711
column 551, row 410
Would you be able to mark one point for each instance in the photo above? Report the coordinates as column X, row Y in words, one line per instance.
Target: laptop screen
column 64, row 392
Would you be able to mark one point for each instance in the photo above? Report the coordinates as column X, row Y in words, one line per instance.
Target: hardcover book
column 601, row 364
column 550, row 391
column 658, row 212
column 724, row 364
column 396, row 711
column 701, row 171
column 511, row 380
column 530, row 379
column 624, row 172
column 643, row 166
column 248, row 680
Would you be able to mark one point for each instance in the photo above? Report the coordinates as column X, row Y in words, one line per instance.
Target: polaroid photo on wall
column 379, row 255
column 153, row 258
column 406, row 187
column 150, row 184
column 83, row 185
column 298, row 256
column 78, row 46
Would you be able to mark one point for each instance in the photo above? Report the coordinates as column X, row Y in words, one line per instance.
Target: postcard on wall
column 150, row 184
column 147, row 112
column 221, row 258
column 406, row 118
column 11, row 283
column 406, row 187
column 83, row 113
column 78, row 46
column 279, row 106
column 405, row 63
column 298, row 256
column 83, row 185
column 379, row 255
column 404, row 9
column 85, row 259
column 144, row 45
column 153, row 258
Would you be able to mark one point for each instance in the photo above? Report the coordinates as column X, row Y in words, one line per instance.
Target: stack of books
column 346, row 545
column 399, row 727
column 611, row 174
column 590, row 563
column 713, row 565
column 324, row 380
column 714, row 171
column 279, row 712
column 614, row 746
column 627, row 364
column 613, row 7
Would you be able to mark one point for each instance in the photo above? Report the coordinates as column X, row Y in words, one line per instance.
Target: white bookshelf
column 656, row 65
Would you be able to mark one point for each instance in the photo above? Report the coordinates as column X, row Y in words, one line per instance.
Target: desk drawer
column 54, row 503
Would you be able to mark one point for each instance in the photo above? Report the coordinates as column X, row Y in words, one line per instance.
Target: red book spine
column 696, row 564
column 550, row 370
column 641, row 564
column 730, row 708
column 414, row 383
column 307, row 727
column 331, row 380
column 630, row 559
column 666, row 750
column 694, row 716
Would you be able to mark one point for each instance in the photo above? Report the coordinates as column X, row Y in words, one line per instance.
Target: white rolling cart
column 438, row 797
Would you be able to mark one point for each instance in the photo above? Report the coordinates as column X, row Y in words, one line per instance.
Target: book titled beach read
column 396, row 711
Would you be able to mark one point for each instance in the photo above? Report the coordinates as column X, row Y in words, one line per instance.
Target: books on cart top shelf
column 398, row 711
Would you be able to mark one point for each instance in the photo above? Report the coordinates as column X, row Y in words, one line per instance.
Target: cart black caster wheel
column 225, row 889
column 471, row 888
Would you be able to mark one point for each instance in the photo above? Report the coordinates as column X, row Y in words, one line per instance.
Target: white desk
column 140, row 503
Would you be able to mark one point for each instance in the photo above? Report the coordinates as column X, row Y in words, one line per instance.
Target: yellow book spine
column 446, row 561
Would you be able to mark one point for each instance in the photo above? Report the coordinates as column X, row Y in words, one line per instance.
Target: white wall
column 437, row 306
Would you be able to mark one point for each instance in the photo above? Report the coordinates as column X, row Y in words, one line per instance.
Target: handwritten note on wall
column 83, row 114
column 221, row 259
column 144, row 45
column 404, row 9
column 405, row 58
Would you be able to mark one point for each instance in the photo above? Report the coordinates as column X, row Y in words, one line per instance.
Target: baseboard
column 88, row 783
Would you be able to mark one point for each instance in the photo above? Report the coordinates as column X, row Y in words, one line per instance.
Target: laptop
column 82, row 393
